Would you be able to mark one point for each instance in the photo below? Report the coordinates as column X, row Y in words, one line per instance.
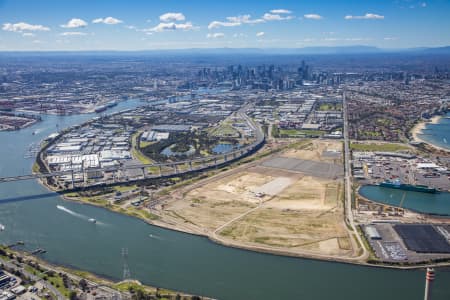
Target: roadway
column 33, row 277
column 205, row 163
column 348, row 182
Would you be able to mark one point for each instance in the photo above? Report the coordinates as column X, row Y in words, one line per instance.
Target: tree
column 73, row 295
column 83, row 284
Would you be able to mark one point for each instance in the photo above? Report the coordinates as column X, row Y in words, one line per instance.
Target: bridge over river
column 149, row 171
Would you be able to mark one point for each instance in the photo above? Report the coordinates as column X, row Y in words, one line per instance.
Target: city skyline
column 135, row 25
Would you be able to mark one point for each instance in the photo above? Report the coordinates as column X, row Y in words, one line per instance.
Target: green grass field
column 294, row 132
column 224, row 130
column 387, row 147
column 330, row 106
column 136, row 153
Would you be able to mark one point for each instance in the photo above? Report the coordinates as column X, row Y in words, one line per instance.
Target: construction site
column 290, row 202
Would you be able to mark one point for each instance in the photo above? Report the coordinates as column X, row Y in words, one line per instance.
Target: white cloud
column 423, row 4
column 280, row 11
column 367, row 16
column 313, row 16
column 239, row 35
column 217, row 35
column 260, row 34
column 107, row 20
column 168, row 17
column 390, row 38
column 244, row 19
column 331, row 39
column 22, row 26
column 171, row 27
column 217, row 24
column 75, row 23
column 73, row 33
column 353, row 39
column 275, row 17
column 357, row 39
column 28, row 34
column 131, row 27
column 306, row 40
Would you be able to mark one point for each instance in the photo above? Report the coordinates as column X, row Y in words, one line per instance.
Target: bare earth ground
column 315, row 149
column 269, row 208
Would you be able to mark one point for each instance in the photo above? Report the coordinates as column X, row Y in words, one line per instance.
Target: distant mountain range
column 341, row 50
column 316, row 50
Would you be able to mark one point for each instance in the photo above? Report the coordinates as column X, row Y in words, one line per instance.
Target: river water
column 171, row 259
column 437, row 134
column 438, row 203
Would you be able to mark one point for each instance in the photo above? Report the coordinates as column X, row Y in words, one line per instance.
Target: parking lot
column 390, row 247
column 376, row 168
column 308, row 167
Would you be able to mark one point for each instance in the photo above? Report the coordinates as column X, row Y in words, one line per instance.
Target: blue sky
column 176, row 24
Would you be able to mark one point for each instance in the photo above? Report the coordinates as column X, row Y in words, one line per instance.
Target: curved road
column 33, row 277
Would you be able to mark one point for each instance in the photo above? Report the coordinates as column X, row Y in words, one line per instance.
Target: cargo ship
column 104, row 107
column 396, row 184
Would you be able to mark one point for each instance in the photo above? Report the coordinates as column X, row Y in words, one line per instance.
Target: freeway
column 205, row 162
column 348, row 181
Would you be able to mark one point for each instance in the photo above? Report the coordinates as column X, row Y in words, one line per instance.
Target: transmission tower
column 126, row 270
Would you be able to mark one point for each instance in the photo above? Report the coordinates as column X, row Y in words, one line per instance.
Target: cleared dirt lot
column 269, row 207
column 318, row 150
column 304, row 217
column 296, row 231
column 215, row 203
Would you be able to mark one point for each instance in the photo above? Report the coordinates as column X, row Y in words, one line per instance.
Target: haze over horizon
column 174, row 24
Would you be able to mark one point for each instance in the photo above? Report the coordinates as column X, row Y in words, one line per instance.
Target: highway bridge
column 192, row 165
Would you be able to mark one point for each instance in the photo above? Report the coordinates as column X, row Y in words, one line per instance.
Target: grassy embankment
column 291, row 133
column 51, row 277
column 295, row 132
column 136, row 153
column 225, row 129
column 55, row 276
column 386, row 147
column 103, row 201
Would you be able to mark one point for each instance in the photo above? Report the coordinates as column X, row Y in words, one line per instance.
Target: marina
column 429, row 203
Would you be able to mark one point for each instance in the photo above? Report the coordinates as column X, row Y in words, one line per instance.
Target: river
column 171, row 259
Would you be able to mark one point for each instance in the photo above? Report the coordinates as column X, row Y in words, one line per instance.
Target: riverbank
column 419, row 127
column 15, row 123
column 65, row 281
column 185, row 229
column 182, row 228
column 159, row 219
